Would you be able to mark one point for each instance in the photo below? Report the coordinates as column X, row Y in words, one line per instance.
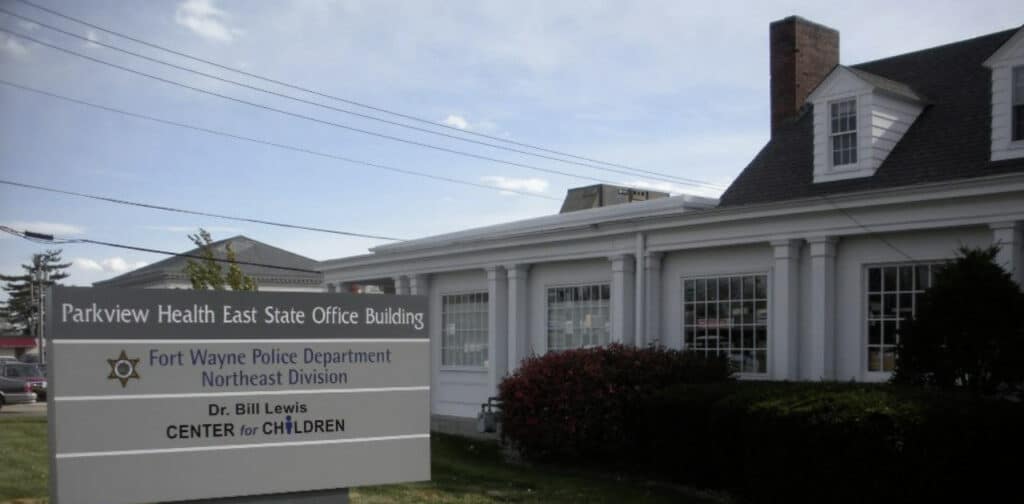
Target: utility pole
column 32, row 312
column 42, row 322
column 38, row 278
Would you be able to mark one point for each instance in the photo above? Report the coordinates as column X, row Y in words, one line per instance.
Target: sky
column 674, row 87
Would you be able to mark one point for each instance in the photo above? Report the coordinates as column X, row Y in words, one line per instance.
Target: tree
column 969, row 328
column 24, row 291
column 208, row 273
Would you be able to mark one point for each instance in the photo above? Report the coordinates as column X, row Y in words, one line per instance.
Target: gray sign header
column 111, row 313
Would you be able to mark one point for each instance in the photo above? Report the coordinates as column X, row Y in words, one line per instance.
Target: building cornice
column 874, row 199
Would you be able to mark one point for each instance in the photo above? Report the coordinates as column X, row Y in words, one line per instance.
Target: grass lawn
column 464, row 472
column 24, row 462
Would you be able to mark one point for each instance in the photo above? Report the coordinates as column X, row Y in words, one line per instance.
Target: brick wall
column 802, row 53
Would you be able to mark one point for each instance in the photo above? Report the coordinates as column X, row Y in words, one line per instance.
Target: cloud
column 14, row 47
column 108, row 265
column 207, row 21
column 93, row 37
column 456, row 121
column 57, row 229
column 460, row 122
column 533, row 185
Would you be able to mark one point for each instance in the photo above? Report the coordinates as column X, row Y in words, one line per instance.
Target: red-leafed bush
column 581, row 403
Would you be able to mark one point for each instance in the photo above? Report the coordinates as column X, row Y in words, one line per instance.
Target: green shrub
column 968, row 330
column 583, row 404
column 828, row 442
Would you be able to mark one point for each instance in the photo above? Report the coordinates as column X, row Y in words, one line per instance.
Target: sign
column 166, row 395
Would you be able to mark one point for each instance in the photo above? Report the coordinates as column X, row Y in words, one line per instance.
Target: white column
column 518, row 320
column 402, row 285
column 653, row 273
column 782, row 360
column 1008, row 236
column 822, row 339
column 419, row 285
column 497, row 326
column 622, row 306
column 640, row 293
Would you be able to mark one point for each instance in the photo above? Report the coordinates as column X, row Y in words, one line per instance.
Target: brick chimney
column 802, row 54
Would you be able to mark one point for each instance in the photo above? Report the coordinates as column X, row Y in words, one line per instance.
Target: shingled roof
column 951, row 138
column 246, row 250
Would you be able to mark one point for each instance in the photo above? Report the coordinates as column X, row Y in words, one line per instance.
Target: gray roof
column 887, row 85
column 246, row 250
column 951, row 139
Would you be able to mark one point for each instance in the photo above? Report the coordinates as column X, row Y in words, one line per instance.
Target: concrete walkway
column 37, row 409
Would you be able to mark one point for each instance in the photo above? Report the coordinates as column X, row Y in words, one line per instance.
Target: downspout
column 640, row 313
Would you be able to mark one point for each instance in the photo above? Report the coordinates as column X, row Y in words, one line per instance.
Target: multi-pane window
column 1018, row 103
column 578, row 317
column 464, row 329
column 728, row 315
column 843, row 116
column 893, row 292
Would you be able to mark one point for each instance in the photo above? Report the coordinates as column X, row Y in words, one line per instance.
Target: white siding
column 1003, row 147
column 927, row 222
column 890, row 119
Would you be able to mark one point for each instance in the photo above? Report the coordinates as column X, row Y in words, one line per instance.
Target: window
column 578, row 317
column 728, row 316
column 464, row 330
column 843, row 116
column 893, row 291
column 1018, row 103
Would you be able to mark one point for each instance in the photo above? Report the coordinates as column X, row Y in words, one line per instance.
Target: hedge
column 678, row 417
column 582, row 403
column 830, row 442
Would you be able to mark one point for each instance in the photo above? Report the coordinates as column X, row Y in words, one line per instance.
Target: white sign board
column 168, row 395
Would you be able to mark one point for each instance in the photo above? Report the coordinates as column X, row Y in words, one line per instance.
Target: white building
column 273, row 269
column 803, row 270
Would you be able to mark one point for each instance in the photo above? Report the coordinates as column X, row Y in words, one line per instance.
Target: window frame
column 866, row 319
column 486, row 331
column 852, row 133
column 767, row 274
column 547, row 311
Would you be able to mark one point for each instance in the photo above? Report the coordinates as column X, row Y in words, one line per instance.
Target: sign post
column 174, row 395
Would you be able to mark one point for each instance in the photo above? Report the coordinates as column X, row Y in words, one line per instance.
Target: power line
column 348, row 101
column 666, row 178
column 50, row 240
column 869, row 231
column 272, row 144
column 194, row 212
column 303, row 116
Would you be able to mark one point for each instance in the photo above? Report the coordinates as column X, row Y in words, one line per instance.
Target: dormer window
column 1007, row 65
column 1018, row 103
column 843, row 116
column 858, row 118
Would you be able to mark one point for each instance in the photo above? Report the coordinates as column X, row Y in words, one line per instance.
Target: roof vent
column 601, row 195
